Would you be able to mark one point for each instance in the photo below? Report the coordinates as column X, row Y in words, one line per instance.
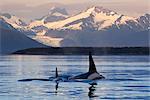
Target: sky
column 38, row 2
column 36, row 8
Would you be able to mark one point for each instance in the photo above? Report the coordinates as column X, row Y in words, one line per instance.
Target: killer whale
column 56, row 78
column 92, row 74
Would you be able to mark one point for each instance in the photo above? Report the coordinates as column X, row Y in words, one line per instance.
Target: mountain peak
column 55, row 14
column 99, row 9
column 58, row 10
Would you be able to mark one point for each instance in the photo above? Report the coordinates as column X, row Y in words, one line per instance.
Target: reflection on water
column 127, row 77
column 56, row 87
column 91, row 94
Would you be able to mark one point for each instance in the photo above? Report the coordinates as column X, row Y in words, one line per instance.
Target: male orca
column 92, row 74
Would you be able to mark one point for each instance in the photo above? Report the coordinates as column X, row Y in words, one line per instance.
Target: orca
column 92, row 74
column 56, row 78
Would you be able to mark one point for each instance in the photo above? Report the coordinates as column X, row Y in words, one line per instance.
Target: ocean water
column 126, row 77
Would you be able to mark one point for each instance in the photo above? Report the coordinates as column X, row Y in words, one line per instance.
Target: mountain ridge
column 100, row 17
column 94, row 27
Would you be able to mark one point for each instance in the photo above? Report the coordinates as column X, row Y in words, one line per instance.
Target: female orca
column 56, row 78
column 59, row 77
column 92, row 74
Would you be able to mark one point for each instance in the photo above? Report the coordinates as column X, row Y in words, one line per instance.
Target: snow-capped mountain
column 94, row 27
column 101, row 27
column 55, row 14
column 94, row 18
column 97, row 18
column 12, row 40
column 16, row 22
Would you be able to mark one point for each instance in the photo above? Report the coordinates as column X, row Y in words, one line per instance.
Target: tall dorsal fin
column 56, row 73
column 92, row 67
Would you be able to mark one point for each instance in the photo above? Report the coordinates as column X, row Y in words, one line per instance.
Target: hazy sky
column 35, row 2
column 38, row 2
column 22, row 7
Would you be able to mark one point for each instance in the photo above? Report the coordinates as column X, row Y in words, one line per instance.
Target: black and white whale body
column 92, row 74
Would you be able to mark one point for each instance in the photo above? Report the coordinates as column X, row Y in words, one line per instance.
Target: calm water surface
column 127, row 77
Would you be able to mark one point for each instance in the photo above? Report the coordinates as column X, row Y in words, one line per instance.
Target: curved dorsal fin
column 56, row 73
column 92, row 67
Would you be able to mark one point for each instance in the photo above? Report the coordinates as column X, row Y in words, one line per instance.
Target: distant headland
column 85, row 51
